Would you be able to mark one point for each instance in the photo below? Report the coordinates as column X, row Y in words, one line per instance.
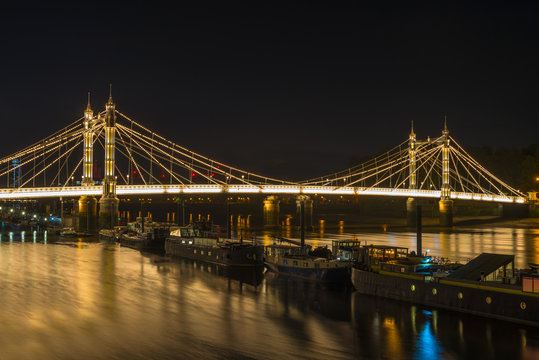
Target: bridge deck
column 74, row 191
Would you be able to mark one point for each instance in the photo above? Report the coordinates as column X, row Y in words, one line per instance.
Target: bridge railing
column 96, row 190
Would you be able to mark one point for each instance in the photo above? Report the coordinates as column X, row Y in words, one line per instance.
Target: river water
column 82, row 299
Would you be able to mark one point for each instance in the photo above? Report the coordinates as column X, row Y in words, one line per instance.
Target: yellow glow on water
column 322, row 224
column 394, row 343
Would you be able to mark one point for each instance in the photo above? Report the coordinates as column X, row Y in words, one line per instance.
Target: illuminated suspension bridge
column 137, row 160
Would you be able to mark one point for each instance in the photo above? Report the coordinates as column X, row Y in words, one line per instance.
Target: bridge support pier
column 514, row 210
column 446, row 212
column 411, row 212
column 108, row 211
column 271, row 211
column 87, row 213
column 307, row 209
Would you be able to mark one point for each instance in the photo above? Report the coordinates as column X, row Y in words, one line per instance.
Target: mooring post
column 419, row 231
column 302, row 222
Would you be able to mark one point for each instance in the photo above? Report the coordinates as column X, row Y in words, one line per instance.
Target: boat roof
column 385, row 247
column 485, row 263
column 342, row 241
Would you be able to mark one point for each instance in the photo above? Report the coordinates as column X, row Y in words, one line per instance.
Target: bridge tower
column 411, row 203
column 108, row 204
column 88, row 204
column 445, row 203
column 88, row 149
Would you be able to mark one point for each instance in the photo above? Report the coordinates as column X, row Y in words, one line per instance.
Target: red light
column 134, row 172
column 162, row 176
column 193, row 174
column 218, row 166
column 212, row 174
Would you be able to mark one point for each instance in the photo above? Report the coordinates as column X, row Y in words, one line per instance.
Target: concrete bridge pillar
column 411, row 212
column 271, row 211
column 509, row 210
column 308, row 211
column 87, row 213
column 446, row 212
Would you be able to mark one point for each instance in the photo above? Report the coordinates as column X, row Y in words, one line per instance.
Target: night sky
column 289, row 90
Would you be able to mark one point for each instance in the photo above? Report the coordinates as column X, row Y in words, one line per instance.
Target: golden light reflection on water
column 393, row 338
column 107, row 301
column 341, row 226
column 103, row 300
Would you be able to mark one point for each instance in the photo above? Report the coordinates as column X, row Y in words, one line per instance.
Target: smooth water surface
column 85, row 299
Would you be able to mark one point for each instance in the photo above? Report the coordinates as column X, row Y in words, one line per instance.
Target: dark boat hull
column 245, row 255
column 336, row 275
column 470, row 297
column 139, row 243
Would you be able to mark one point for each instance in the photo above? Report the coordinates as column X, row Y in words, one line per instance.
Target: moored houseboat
column 144, row 234
column 295, row 259
column 201, row 241
column 488, row 285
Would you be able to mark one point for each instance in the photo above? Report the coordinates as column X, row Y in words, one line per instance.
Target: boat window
column 209, row 253
column 306, row 264
column 194, row 251
column 201, row 252
column 285, row 262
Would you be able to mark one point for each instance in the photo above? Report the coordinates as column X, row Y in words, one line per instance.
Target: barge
column 200, row 241
column 144, row 234
column 488, row 285
column 291, row 258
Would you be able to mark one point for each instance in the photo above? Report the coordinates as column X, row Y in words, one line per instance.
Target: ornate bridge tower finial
column 445, row 162
column 412, row 154
column 108, row 205
column 88, row 149
column 445, row 203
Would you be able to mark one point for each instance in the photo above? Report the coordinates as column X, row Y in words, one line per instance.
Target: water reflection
column 64, row 299
column 403, row 331
column 67, row 297
column 461, row 245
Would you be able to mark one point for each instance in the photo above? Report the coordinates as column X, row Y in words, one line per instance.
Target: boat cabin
column 346, row 250
column 374, row 254
column 286, row 250
column 488, row 267
column 202, row 229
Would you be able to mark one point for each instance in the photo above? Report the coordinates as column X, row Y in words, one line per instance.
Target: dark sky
column 290, row 90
